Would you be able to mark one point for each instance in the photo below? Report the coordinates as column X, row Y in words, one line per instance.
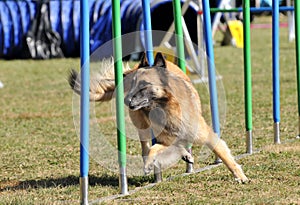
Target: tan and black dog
column 162, row 98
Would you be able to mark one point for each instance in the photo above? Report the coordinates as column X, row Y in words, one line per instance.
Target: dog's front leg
column 154, row 150
column 162, row 156
column 145, row 150
column 172, row 154
column 138, row 118
column 145, row 136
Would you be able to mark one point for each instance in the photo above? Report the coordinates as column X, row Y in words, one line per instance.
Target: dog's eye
column 143, row 84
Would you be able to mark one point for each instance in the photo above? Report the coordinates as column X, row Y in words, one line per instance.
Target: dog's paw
column 188, row 158
column 244, row 180
column 149, row 165
column 148, row 168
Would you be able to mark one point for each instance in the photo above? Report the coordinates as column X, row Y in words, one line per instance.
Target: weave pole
column 180, row 54
column 247, row 75
column 120, row 113
column 149, row 55
column 84, row 100
column 211, row 69
column 148, row 31
column 275, row 70
column 179, row 34
column 297, row 30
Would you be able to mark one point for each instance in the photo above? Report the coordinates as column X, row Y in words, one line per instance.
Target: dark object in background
column 42, row 42
column 17, row 18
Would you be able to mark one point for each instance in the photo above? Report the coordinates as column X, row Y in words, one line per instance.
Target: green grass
column 40, row 148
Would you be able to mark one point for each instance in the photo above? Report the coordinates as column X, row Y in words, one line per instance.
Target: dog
column 162, row 98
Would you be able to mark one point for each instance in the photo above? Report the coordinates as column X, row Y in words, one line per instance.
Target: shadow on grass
column 105, row 180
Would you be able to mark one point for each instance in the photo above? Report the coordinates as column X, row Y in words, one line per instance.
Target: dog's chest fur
column 166, row 122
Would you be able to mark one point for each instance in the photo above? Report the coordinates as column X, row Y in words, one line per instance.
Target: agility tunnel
column 23, row 24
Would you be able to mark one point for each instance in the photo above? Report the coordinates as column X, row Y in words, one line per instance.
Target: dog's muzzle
column 136, row 103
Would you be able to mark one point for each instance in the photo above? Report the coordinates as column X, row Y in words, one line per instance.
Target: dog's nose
column 127, row 100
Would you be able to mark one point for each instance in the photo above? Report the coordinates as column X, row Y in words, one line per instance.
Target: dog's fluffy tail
column 102, row 85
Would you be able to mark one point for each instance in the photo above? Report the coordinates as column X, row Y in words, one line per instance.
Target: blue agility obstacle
column 84, row 100
column 149, row 54
column 275, row 66
column 211, row 66
column 148, row 31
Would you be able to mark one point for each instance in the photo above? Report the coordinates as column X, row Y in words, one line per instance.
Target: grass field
column 40, row 148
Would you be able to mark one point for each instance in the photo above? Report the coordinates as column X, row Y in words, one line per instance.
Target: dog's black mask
column 148, row 84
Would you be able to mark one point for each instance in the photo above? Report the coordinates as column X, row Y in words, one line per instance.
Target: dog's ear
column 160, row 60
column 144, row 62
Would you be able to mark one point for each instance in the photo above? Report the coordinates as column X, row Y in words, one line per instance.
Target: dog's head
column 149, row 84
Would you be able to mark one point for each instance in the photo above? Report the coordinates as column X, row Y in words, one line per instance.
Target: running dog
column 162, row 98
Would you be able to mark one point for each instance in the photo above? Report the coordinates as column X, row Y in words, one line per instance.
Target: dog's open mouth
column 136, row 105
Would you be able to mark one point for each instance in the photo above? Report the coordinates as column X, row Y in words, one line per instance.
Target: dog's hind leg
column 219, row 147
